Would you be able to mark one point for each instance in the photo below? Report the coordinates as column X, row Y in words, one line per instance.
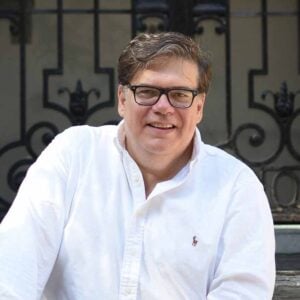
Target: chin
column 159, row 149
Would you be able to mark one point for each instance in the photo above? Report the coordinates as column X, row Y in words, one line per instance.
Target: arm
column 245, row 267
column 31, row 232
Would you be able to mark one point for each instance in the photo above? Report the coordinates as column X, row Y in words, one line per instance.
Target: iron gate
column 50, row 82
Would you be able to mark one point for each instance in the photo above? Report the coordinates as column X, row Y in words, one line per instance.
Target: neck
column 156, row 168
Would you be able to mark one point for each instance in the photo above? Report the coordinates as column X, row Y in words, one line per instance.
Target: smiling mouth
column 161, row 126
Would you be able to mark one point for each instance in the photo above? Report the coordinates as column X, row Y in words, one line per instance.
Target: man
column 145, row 209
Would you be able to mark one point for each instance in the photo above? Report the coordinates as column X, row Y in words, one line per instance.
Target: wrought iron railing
column 279, row 171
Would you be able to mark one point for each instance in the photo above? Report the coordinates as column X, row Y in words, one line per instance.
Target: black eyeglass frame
column 163, row 92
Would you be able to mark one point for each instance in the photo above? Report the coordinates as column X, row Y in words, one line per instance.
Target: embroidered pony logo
column 194, row 241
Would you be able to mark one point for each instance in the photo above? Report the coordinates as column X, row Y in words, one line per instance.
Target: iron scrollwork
column 185, row 16
column 285, row 202
column 19, row 16
column 285, row 206
column 151, row 16
column 210, row 10
column 284, row 115
column 78, row 104
column 34, row 139
column 38, row 137
column 4, row 206
column 189, row 17
column 284, row 109
column 17, row 171
column 283, row 101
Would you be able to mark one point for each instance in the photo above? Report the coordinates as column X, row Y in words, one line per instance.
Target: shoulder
column 225, row 167
column 84, row 135
column 80, row 141
column 83, row 131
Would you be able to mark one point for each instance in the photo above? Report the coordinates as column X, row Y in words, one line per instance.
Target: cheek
column 199, row 118
column 122, row 101
column 191, row 120
column 120, row 111
column 196, row 117
column 124, row 108
column 121, row 108
column 200, row 109
column 133, row 115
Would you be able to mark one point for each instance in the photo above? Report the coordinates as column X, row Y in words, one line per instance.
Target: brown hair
column 145, row 48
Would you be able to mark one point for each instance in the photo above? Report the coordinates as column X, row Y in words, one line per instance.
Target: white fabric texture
column 81, row 227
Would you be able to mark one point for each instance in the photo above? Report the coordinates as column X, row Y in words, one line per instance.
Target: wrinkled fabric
column 81, row 227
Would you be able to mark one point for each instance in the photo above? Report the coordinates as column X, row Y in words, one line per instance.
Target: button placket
column 134, row 242
column 132, row 260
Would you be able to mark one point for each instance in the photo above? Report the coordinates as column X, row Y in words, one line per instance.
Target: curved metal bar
column 100, row 70
column 141, row 25
column 46, row 137
column 255, row 140
column 78, row 103
column 292, row 178
column 59, row 69
column 16, row 175
column 4, row 203
column 289, row 144
column 222, row 28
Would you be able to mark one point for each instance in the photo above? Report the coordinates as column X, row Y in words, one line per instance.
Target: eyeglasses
column 149, row 95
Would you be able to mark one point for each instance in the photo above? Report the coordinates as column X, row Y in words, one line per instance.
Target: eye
column 146, row 92
column 180, row 94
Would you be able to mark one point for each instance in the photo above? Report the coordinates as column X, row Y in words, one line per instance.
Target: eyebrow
column 168, row 88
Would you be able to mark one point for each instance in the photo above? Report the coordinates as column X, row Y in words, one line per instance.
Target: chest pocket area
column 180, row 252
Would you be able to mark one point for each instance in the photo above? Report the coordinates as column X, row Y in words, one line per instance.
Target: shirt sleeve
column 31, row 232
column 245, row 268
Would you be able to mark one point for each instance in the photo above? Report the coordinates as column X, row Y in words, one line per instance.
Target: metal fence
column 254, row 106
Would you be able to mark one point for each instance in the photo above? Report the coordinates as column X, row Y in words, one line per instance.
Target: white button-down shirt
column 81, row 227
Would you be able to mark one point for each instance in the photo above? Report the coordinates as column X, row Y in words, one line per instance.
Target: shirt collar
column 197, row 147
column 120, row 138
column 120, row 142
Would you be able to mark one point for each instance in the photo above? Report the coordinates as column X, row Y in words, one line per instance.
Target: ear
column 121, row 100
column 200, row 106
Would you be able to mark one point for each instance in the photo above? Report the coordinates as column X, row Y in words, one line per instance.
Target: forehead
column 168, row 71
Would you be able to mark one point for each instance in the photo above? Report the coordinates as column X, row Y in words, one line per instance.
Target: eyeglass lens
column 150, row 95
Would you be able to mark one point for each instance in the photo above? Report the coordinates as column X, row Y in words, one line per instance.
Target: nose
column 163, row 105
